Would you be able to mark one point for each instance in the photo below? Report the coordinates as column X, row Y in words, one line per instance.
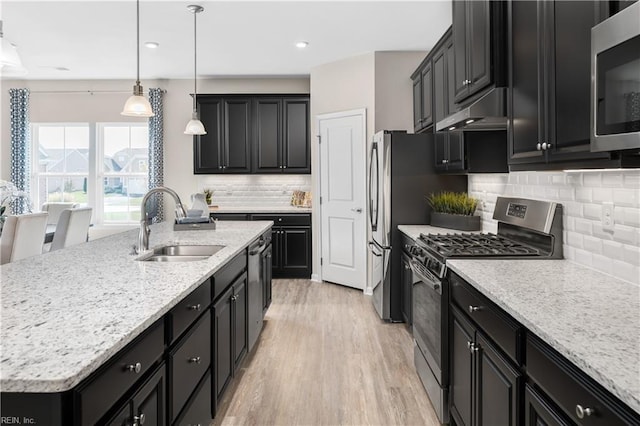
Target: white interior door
column 343, row 195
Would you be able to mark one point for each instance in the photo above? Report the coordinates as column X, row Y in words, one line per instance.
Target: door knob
column 358, row 210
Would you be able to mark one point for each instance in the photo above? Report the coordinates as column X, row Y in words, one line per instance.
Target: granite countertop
column 64, row 313
column 591, row 318
column 259, row 209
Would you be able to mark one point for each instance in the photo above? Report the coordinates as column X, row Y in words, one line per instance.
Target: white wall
column 379, row 82
column 581, row 194
column 178, row 152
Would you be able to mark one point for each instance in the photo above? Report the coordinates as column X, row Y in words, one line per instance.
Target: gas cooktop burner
column 486, row 245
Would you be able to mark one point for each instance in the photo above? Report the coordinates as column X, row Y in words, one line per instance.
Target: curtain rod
column 80, row 92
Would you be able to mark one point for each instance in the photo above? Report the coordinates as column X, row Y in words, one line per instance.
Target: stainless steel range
column 526, row 229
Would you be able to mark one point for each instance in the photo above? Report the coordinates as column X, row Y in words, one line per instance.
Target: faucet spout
column 143, row 234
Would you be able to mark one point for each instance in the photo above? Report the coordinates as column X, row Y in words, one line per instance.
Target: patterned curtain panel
column 20, row 147
column 156, row 138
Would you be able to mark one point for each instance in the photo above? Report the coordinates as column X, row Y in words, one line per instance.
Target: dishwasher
column 256, row 285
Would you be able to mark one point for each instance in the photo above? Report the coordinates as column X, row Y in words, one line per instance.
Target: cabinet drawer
column 117, row 377
column 225, row 276
column 185, row 313
column 569, row 387
column 285, row 219
column 188, row 363
column 198, row 411
column 502, row 329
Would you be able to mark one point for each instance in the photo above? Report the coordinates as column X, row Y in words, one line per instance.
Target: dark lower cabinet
column 230, row 333
column 484, row 384
column 199, row 411
column 539, row 412
column 147, row 405
column 223, row 342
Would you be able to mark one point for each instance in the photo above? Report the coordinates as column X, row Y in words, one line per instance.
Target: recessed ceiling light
column 62, row 69
column 151, row 44
column 302, row 44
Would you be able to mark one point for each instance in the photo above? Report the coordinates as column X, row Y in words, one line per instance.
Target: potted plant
column 208, row 194
column 454, row 210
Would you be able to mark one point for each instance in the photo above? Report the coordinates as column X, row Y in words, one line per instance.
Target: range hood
column 487, row 113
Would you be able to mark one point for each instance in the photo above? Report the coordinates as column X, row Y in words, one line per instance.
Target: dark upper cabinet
column 296, row 142
column 253, row 134
column 225, row 147
column 477, row 40
column 423, row 96
column 549, row 77
column 282, row 142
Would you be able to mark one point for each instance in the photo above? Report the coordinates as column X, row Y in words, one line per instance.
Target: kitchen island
column 66, row 313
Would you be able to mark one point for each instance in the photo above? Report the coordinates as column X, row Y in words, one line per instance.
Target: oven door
column 428, row 320
column 615, row 82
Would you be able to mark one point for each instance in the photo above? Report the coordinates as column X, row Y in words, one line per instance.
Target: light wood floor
column 325, row 358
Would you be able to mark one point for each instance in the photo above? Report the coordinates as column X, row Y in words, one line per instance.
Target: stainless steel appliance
column 256, row 286
column 526, row 229
column 615, row 82
column 401, row 176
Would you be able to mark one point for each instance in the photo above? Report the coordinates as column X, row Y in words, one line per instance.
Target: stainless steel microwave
column 615, row 82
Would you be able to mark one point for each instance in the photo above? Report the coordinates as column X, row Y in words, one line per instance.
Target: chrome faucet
column 143, row 235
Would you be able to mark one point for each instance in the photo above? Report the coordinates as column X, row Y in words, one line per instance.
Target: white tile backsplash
column 581, row 194
column 248, row 190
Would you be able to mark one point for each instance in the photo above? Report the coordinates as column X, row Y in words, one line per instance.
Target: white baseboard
column 316, row 278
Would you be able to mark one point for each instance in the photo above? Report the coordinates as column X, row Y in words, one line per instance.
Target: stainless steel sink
column 180, row 253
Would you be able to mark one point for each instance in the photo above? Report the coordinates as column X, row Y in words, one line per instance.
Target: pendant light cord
column 195, row 60
column 138, row 42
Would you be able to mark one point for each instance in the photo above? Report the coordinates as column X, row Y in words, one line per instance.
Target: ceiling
column 97, row 39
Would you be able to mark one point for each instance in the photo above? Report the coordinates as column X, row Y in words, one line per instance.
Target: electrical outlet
column 607, row 216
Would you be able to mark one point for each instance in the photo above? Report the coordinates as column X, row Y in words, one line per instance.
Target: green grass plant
column 453, row 203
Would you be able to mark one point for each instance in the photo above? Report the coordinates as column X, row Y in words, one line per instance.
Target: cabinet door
column 524, row 102
column 407, row 287
column 417, row 104
column 223, row 342
column 570, row 79
column 296, row 140
column 456, row 151
column 266, row 278
column 497, row 387
column 276, row 242
column 239, row 299
column 441, row 145
column 538, row 412
column 124, row 417
column 237, row 136
column 450, row 73
column 267, row 154
column 208, row 149
column 478, row 45
column 427, row 101
column 149, row 402
column 460, row 49
column 462, row 369
column 296, row 251
column 440, row 101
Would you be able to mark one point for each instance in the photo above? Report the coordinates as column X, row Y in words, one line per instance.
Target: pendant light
column 195, row 126
column 137, row 105
column 9, row 53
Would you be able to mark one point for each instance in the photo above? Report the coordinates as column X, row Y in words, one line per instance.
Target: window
column 101, row 165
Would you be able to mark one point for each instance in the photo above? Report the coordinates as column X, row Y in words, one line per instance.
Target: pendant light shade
column 137, row 105
column 195, row 126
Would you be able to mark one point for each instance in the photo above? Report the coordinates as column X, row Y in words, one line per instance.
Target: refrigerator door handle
column 374, row 175
column 373, row 247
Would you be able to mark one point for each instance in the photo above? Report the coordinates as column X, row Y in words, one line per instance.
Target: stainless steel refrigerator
column 401, row 176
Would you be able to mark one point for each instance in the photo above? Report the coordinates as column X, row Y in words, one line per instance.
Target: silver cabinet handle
column 234, row 297
column 473, row 309
column 358, row 210
column 139, row 420
column 546, row 146
column 583, row 412
column 195, row 360
column 473, row 348
column 194, row 307
column 539, row 146
column 284, row 167
column 134, row 368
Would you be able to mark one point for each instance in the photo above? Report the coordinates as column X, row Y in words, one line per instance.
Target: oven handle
column 430, row 280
